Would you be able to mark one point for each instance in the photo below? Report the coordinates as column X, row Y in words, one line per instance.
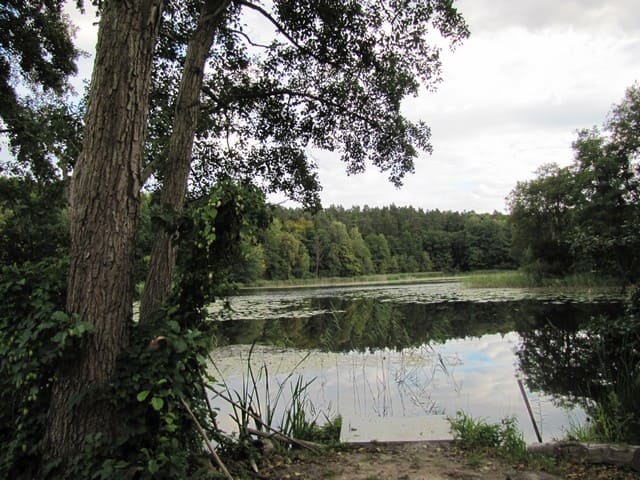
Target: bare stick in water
column 528, row 405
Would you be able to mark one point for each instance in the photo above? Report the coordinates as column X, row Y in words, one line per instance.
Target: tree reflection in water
column 391, row 346
column 595, row 363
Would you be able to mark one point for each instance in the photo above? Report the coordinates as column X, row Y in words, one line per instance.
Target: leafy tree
column 340, row 259
column 438, row 244
column 286, row 256
column 361, row 251
column 380, row 253
column 607, row 169
column 330, row 75
column 33, row 221
column 541, row 215
column 36, row 54
column 585, row 217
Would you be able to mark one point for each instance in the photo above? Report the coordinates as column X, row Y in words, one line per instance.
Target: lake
column 408, row 350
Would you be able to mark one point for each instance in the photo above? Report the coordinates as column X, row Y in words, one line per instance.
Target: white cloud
column 583, row 14
column 513, row 96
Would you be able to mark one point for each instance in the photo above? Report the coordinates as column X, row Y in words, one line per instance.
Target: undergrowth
column 475, row 434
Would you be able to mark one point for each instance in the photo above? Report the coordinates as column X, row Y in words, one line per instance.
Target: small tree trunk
column 163, row 254
column 105, row 199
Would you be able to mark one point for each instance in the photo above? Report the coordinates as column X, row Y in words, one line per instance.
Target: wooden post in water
column 528, row 405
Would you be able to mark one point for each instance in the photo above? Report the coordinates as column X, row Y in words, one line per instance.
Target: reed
column 390, row 278
column 257, row 403
column 500, row 279
column 521, row 279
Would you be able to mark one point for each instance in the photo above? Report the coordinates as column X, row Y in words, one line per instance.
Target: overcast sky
column 512, row 97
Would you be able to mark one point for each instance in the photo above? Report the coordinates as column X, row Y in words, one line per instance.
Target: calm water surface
column 410, row 350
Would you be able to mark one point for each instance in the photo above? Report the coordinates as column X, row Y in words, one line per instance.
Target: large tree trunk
column 105, row 199
column 163, row 254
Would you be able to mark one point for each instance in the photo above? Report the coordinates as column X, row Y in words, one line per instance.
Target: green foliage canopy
column 36, row 55
column 585, row 217
column 329, row 75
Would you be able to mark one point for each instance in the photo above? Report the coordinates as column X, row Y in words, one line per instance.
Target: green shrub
column 477, row 434
column 35, row 334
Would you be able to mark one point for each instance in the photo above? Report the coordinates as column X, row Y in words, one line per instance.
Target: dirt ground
column 422, row 461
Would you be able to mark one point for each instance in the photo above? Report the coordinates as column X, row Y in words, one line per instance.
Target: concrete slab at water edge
column 396, row 429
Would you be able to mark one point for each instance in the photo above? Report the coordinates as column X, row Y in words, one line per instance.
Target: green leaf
column 153, row 466
column 142, row 396
column 157, row 403
column 59, row 316
column 179, row 344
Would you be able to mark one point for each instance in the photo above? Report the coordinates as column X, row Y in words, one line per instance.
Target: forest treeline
column 291, row 242
column 339, row 242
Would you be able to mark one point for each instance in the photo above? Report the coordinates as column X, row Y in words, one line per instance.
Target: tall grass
column 415, row 277
column 257, row 404
column 505, row 279
column 521, row 279
column 604, row 425
column 613, row 411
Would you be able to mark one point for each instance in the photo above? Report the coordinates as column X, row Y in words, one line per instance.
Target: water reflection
column 345, row 323
column 596, row 365
column 416, row 350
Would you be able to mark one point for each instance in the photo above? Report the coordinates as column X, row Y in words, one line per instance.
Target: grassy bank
column 363, row 280
column 480, row 279
column 520, row 279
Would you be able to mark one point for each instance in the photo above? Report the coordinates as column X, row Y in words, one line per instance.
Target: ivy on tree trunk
column 163, row 256
column 104, row 211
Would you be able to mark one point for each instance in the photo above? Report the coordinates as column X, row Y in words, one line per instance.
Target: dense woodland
column 361, row 241
column 157, row 177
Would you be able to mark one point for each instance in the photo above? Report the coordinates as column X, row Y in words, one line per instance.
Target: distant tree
column 541, row 217
column 361, row 251
column 340, row 259
column 380, row 253
column 252, row 264
column 437, row 244
column 285, row 255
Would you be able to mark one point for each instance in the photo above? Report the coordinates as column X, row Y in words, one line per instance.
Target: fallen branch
column 281, row 437
column 276, row 434
column 624, row 455
column 203, row 434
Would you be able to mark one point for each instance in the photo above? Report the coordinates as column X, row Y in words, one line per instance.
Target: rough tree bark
column 104, row 211
column 163, row 253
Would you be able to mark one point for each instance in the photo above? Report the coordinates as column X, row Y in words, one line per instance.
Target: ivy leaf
column 179, row 344
column 152, row 466
column 142, row 396
column 157, row 403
